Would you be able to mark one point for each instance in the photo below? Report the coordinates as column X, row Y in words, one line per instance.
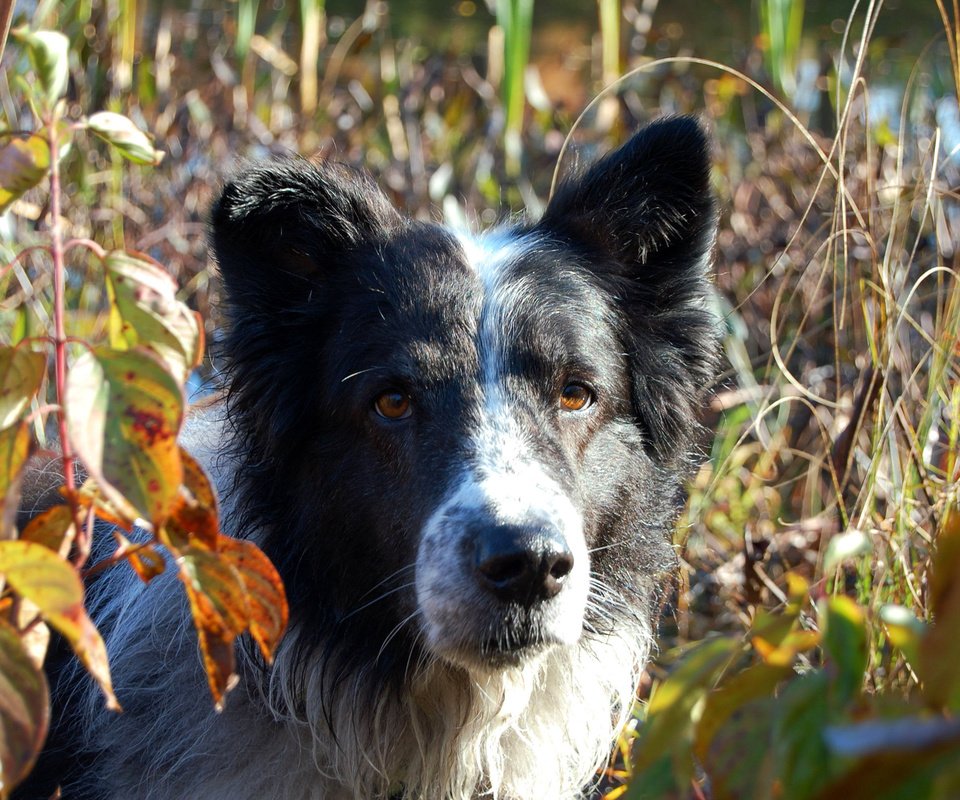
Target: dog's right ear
column 279, row 227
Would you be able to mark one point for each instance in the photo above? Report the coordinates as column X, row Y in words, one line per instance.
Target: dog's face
column 471, row 447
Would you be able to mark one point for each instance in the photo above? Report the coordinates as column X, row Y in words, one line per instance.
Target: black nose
column 520, row 564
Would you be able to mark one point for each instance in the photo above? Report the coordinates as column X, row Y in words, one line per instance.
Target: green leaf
column 144, row 310
column 676, row 705
column 41, row 576
column 24, row 709
column 755, row 682
column 802, row 757
column 24, row 161
column 739, row 760
column 845, row 643
column 21, row 372
column 14, row 449
column 49, row 55
column 119, row 131
column 124, row 411
column 904, row 631
column 940, row 647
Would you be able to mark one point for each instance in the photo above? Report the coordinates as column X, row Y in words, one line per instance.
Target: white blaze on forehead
column 506, row 475
column 503, row 482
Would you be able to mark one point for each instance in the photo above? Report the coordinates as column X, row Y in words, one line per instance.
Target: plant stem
column 60, row 334
column 6, row 15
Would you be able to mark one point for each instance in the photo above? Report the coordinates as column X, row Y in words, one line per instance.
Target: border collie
column 464, row 455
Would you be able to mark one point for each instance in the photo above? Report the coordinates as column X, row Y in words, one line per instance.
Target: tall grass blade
column 311, row 19
column 515, row 18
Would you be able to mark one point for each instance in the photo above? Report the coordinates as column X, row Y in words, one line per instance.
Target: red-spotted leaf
column 38, row 574
column 21, row 372
column 55, row 529
column 24, row 161
column 24, row 709
column 195, row 519
column 124, row 411
column 266, row 599
column 218, row 602
column 144, row 310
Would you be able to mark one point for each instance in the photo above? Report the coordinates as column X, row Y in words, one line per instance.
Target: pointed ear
column 644, row 220
column 278, row 227
column 648, row 202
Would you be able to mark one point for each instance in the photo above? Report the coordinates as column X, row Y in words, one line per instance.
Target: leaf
column 24, row 709
column 21, row 373
column 739, row 760
column 756, row 682
column 24, row 161
column 675, row 706
column 78, row 629
column 42, row 577
column 844, row 546
column 123, row 414
column 802, row 757
column 845, row 643
column 145, row 560
column 14, row 450
column 904, row 631
column 49, row 56
column 195, row 519
column 55, row 529
column 144, row 311
column 266, row 600
column 940, row 648
column 218, row 602
column 898, row 759
column 119, row 131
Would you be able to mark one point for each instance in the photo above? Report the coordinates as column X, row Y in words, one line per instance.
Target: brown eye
column 575, row 397
column 392, row 405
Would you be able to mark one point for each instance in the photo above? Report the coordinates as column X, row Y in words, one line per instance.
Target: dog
column 464, row 454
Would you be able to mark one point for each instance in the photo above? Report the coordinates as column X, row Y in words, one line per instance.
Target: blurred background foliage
column 832, row 462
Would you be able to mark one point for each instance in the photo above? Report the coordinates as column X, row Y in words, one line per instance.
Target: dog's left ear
column 643, row 219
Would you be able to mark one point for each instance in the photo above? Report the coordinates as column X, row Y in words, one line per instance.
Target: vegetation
column 810, row 647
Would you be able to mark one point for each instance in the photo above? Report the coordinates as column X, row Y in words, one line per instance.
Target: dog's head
column 472, row 446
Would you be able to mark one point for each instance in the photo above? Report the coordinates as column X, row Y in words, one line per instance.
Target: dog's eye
column 575, row 397
column 392, row 405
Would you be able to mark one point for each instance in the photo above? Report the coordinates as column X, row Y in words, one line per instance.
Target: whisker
column 377, row 599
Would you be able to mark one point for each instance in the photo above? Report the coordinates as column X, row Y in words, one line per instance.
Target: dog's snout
column 521, row 564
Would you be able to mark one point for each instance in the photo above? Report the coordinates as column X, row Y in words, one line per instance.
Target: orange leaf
column 194, row 519
column 265, row 595
column 146, row 560
column 54, row 529
column 218, row 602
